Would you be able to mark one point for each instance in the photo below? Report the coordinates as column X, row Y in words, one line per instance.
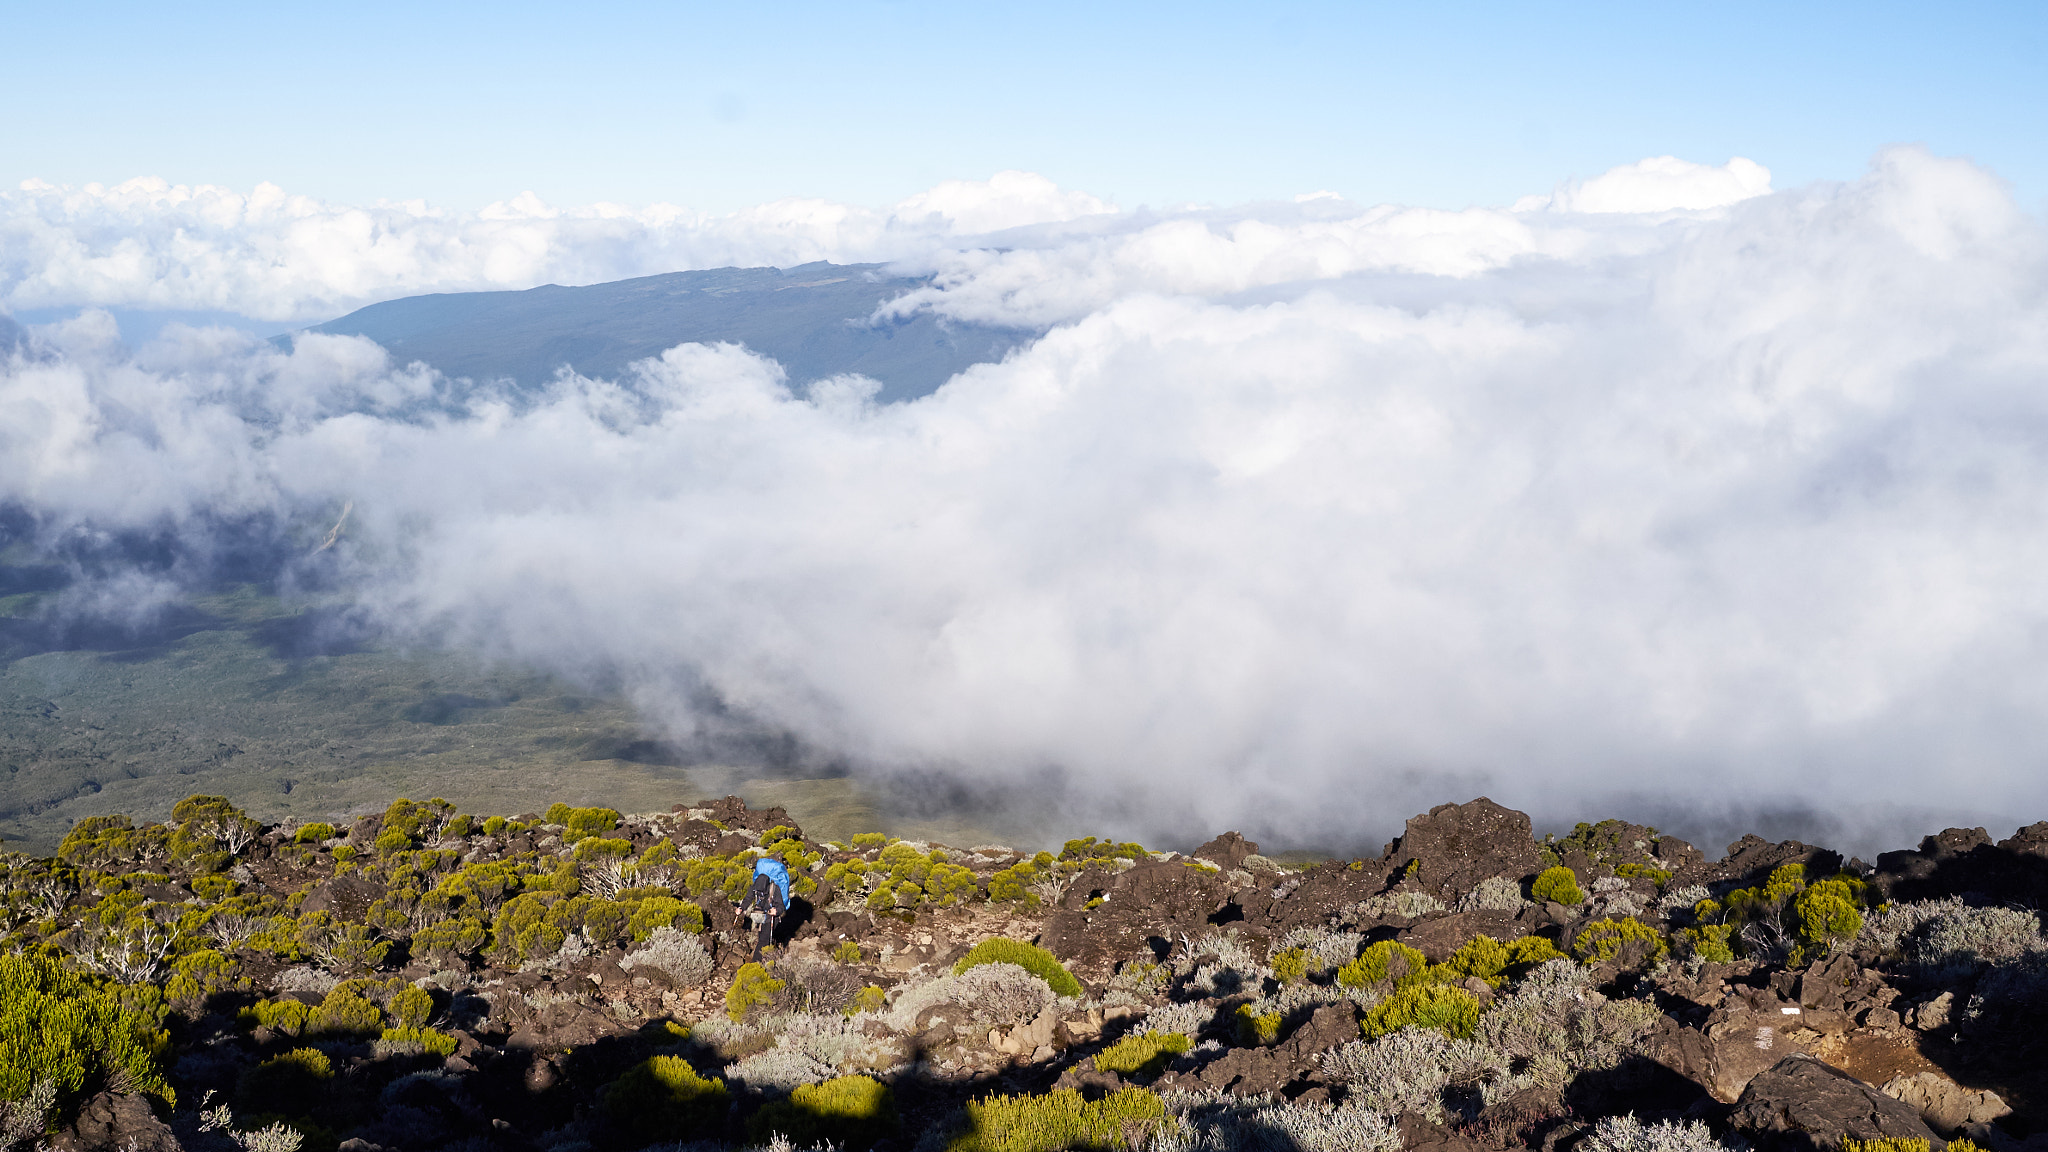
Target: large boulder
column 1227, row 851
column 1945, row 1104
column 116, row 1121
column 1802, row 1105
column 1455, row 846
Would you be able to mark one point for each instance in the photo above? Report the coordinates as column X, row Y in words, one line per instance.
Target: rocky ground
column 428, row 980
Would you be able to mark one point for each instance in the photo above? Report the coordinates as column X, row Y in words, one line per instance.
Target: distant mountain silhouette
column 813, row 319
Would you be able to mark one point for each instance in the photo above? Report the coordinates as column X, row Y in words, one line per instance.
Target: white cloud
column 1737, row 508
column 1659, row 184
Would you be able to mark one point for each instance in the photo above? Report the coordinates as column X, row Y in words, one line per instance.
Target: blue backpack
column 772, row 868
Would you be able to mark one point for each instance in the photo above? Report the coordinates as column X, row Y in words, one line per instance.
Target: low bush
column 1385, row 961
column 411, row 1007
column 72, row 1034
column 664, row 912
column 1143, row 1056
column 1290, row 965
column 346, row 1012
column 1408, row 1070
column 1452, row 1011
column 1061, row 1119
column 1257, row 1029
column 313, row 834
column 1628, row 940
column 1030, row 957
column 678, row 955
column 1494, row 894
column 1628, row 1134
column 1560, row 884
column 414, row 1040
column 752, row 988
column 848, row 1111
column 663, row 1098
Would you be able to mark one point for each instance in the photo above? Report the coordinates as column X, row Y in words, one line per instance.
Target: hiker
column 766, row 901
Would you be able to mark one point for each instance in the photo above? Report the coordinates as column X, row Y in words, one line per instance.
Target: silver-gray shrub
column 998, row 995
column 1188, row 1019
column 1494, row 894
column 1678, row 903
column 1219, row 1122
column 1393, row 905
column 1408, row 1070
column 1556, row 1025
column 859, row 1043
column 1326, row 948
column 1235, row 968
column 1628, row 1134
column 676, row 953
column 1296, row 1000
column 779, row 1070
column 1949, row 938
column 812, row 983
column 1973, row 937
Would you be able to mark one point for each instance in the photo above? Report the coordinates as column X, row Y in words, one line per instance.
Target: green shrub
column 664, row 912
column 494, row 825
column 752, row 987
column 1482, row 956
column 213, row 889
column 848, row 1111
column 72, row 1033
column 591, row 848
column 1560, row 884
column 1291, row 966
column 1452, row 1011
column 578, row 823
column 291, row 1084
column 1828, row 911
column 1633, row 871
column 313, row 834
column 1089, row 848
column 663, row 1098
column 1013, row 885
column 1886, row 1144
column 862, row 841
column 287, row 1016
column 848, row 952
column 1030, row 957
column 1709, row 942
column 411, row 1007
column 868, row 999
column 1061, row 1119
column 1256, row 1031
column 450, row 939
column 1143, row 1056
column 1628, row 939
column 1529, row 951
column 1386, row 960
column 200, row 974
column 430, row 1040
column 346, row 1012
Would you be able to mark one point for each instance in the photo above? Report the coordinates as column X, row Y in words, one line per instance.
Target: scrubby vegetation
column 579, row 975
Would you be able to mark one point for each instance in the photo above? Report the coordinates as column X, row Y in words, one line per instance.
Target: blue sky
column 718, row 107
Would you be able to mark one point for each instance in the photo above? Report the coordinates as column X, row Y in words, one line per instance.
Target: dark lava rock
column 1458, row 845
column 110, row 1121
column 1801, row 1105
column 1227, row 851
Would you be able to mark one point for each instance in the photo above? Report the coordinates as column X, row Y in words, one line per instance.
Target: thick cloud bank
column 1314, row 512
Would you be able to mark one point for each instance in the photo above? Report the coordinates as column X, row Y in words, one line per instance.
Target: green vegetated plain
column 221, row 696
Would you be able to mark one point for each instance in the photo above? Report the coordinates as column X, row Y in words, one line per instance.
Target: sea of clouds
column 1664, row 495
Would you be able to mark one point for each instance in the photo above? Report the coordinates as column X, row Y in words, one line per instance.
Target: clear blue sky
column 722, row 106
